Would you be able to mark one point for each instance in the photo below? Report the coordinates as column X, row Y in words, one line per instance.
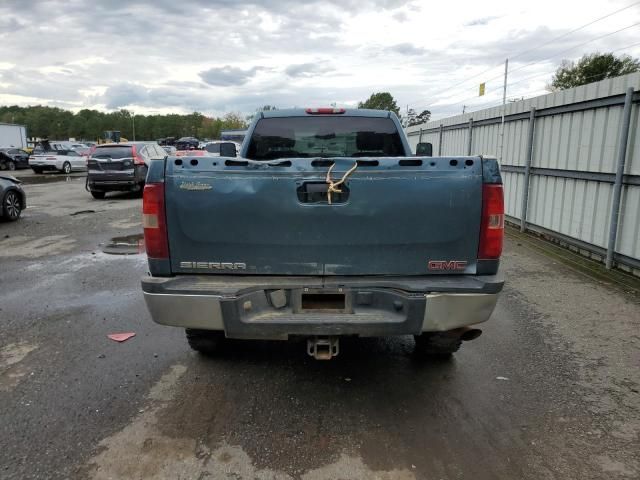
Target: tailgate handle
column 317, row 193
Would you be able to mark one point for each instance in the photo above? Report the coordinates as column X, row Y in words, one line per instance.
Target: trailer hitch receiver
column 323, row 348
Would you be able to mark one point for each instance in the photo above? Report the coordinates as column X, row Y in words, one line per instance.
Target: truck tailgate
column 394, row 216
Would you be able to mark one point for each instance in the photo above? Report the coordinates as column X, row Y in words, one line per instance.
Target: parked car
column 191, row 153
column 65, row 161
column 213, row 148
column 170, row 149
column 326, row 226
column 187, row 143
column 82, row 148
column 120, row 166
column 13, row 200
column 13, row 159
column 44, row 146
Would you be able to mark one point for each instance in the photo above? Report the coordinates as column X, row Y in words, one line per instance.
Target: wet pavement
column 27, row 176
column 551, row 390
column 125, row 245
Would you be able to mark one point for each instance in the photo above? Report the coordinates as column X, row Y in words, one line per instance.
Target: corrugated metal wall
column 576, row 134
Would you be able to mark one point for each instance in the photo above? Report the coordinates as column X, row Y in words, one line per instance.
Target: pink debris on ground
column 121, row 337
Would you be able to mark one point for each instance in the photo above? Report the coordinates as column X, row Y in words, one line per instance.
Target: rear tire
column 207, row 342
column 66, row 168
column 37, row 170
column 98, row 195
column 11, row 206
column 437, row 345
column 11, row 165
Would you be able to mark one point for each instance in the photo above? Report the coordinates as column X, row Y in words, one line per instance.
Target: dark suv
column 120, row 166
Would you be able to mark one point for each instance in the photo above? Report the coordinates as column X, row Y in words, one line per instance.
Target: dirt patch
column 142, row 451
column 25, row 246
column 11, row 370
column 598, row 324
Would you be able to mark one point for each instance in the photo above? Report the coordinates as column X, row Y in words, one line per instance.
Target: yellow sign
column 482, row 85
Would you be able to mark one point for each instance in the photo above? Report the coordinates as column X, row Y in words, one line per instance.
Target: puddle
column 128, row 245
column 48, row 178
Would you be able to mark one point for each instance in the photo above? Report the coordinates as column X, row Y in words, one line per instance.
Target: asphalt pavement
column 551, row 390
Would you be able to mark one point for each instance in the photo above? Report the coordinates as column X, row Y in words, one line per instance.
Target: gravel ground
column 549, row 391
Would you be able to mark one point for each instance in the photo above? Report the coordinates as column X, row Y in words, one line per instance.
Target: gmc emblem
column 447, row 265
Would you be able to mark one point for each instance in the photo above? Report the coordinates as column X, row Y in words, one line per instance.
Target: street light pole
column 133, row 121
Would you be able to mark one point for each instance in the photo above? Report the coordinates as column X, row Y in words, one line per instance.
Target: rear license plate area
column 335, row 302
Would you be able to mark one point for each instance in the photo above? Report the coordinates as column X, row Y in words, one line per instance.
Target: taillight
column 492, row 223
column 153, row 221
column 137, row 159
column 324, row 110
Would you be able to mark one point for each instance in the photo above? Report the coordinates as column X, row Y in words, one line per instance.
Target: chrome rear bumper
column 243, row 307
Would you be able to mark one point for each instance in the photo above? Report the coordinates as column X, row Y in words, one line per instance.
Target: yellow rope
column 333, row 186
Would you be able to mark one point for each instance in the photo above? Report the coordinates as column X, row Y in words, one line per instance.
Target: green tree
column 423, row 117
column 58, row 124
column 233, row 120
column 592, row 68
column 413, row 118
column 381, row 101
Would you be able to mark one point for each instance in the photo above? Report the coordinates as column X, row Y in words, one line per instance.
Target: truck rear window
column 113, row 152
column 328, row 136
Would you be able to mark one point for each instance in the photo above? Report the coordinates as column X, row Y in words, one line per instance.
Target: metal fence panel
column 577, row 142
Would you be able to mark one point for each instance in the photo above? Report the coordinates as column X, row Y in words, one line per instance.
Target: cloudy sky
column 215, row 56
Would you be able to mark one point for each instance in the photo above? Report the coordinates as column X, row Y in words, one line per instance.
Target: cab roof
column 349, row 112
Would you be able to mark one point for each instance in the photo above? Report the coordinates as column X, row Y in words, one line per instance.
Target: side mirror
column 227, row 149
column 424, row 149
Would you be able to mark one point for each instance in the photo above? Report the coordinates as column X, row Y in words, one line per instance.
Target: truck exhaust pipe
column 466, row 334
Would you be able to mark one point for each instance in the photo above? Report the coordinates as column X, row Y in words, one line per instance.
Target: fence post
column 617, row 187
column 470, row 137
column 527, row 169
column 440, row 140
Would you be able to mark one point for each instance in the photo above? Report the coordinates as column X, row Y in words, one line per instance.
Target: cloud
column 137, row 54
column 228, row 76
column 10, row 24
column 307, row 70
column 407, row 49
column 400, row 16
column 480, row 21
column 125, row 94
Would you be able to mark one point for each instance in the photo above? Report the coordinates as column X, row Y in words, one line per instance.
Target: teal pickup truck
column 325, row 226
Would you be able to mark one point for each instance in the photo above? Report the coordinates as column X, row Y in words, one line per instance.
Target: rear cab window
column 324, row 136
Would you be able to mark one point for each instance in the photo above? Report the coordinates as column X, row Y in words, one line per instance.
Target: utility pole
column 133, row 122
column 504, row 103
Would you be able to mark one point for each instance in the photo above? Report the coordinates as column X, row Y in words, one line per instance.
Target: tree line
column 56, row 123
